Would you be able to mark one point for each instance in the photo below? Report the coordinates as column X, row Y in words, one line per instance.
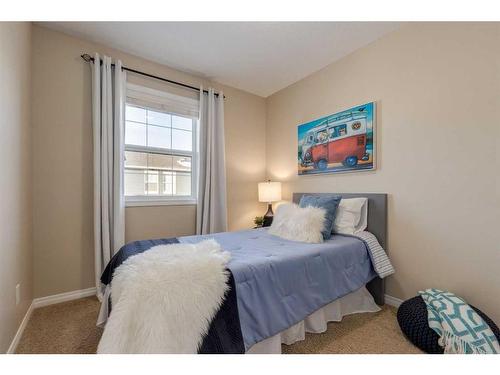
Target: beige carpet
column 70, row 328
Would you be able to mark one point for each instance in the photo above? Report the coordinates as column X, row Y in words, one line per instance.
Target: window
column 160, row 155
column 338, row 131
column 321, row 136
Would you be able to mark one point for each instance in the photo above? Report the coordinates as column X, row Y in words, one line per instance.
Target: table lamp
column 269, row 192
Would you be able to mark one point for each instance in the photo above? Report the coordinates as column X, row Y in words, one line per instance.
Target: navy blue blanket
column 224, row 334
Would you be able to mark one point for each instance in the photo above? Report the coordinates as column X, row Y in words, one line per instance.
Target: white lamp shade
column 269, row 191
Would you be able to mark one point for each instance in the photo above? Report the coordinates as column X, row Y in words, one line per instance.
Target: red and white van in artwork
column 340, row 139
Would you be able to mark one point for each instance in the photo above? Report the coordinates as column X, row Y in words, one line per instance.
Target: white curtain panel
column 211, row 212
column 108, row 110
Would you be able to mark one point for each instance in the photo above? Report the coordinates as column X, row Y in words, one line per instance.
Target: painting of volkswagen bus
column 342, row 142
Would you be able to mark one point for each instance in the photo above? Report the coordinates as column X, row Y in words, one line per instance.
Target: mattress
column 280, row 282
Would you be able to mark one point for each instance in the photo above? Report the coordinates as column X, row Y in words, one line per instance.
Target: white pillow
column 352, row 216
column 296, row 223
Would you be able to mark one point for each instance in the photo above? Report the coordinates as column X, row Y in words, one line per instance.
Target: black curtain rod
column 89, row 58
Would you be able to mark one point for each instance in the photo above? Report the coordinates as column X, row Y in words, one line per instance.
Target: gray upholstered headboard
column 377, row 224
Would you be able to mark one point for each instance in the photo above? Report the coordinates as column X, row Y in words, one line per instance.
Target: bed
column 280, row 289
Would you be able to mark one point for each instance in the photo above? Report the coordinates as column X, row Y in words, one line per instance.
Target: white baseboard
column 393, row 301
column 20, row 330
column 63, row 297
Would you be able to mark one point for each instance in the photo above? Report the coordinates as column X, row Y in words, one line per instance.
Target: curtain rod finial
column 86, row 57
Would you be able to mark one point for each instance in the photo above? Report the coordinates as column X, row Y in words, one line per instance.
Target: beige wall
column 63, row 251
column 437, row 87
column 151, row 222
column 15, row 183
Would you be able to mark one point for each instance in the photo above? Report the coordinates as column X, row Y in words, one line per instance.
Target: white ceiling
column 258, row 57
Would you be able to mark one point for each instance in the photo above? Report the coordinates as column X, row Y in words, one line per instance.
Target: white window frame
column 137, row 100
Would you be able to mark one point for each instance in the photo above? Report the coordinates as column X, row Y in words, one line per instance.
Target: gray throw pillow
column 329, row 203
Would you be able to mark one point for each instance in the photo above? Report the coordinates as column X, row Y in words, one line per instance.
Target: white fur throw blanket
column 165, row 298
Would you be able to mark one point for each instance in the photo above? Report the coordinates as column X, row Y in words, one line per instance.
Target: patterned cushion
column 412, row 318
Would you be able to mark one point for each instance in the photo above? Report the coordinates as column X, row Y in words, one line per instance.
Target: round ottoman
column 412, row 318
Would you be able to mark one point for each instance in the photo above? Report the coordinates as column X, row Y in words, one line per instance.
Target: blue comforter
column 280, row 282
